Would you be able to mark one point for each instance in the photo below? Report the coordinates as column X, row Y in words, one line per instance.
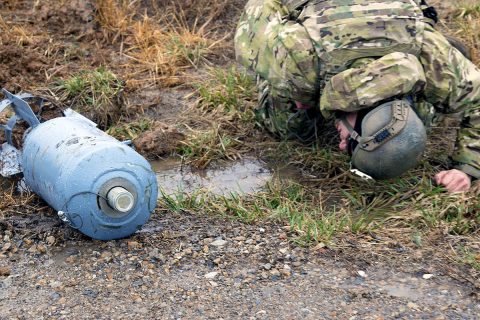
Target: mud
column 20, row 68
column 161, row 141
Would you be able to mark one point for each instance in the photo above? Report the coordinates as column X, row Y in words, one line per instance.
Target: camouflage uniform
column 326, row 56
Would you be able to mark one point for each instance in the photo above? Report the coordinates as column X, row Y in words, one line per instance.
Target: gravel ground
column 184, row 266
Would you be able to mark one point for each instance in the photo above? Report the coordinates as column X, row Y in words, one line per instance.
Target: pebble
column 362, row 273
column 5, row 271
column 412, row 305
column 267, row 266
column 42, row 249
column 219, row 243
column 275, row 272
column 133, row 245
column 6, row 246
column 211, row 275
column 427, row 276
column 50, row 240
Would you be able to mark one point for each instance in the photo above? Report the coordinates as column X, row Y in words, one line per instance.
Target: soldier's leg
column 453, row 86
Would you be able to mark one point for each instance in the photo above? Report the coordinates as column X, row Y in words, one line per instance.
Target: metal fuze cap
column 391, row 140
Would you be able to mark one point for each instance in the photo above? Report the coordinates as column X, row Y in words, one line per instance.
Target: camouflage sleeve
column 453, row 86
column 362, row 87
column 277, row 49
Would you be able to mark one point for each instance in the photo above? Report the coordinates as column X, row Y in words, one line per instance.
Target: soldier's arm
column 277, row 49
column 367, row 84
column 453, row 86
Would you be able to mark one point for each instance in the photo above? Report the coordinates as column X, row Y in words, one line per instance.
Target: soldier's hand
column 454, row 180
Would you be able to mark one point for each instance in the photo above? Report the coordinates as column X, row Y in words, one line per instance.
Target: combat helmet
column 389, row 140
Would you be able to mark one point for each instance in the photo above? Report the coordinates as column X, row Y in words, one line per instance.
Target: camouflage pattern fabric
column 359, row 53
column 284, row 119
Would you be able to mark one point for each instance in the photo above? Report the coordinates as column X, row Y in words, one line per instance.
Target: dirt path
column 183, row 266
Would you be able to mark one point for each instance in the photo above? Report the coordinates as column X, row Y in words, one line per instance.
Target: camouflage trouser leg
column 283, row 119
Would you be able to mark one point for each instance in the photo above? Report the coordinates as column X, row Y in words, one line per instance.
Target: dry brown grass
column 160, row 46
column 462, row 19
column 20, row 35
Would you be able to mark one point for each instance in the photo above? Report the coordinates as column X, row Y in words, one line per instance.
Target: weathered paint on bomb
column 67, row 162
column 73, row 166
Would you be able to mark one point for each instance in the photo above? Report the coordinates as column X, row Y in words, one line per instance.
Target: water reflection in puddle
column 242, row 177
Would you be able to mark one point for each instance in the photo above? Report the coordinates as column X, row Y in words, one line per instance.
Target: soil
column 192, row 266
column 184, row 265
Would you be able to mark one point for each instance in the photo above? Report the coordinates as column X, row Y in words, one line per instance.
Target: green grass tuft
column 95, row 93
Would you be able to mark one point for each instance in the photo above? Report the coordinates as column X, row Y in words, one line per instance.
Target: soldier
column 376, row 66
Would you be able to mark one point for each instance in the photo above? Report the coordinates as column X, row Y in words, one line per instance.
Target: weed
column 225, row 105
column 229, row 91
column 204, row 146
column 95, row 93
column 469, row 257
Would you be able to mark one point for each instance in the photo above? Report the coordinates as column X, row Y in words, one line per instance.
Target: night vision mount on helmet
column 390, row 141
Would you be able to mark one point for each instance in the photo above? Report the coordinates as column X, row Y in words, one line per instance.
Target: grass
column 160, row 47
column 18, row 34
column 225, row 109
column 283, row 202
column 464, row 22
column 131, row 130
column 97, row 94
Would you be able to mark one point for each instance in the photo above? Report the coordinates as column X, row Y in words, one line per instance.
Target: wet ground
column 243, row 177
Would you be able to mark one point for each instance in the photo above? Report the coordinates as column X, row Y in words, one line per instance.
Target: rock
column 133, row 245
column 211, row 275
column 5, row 271
column 262, row 230
column 7, row 282
column 219, row 243
column 412, row 305
column 42, row 249
column 50, row 240
column 275, row 272
column 362, row 273
column 267, row 266
column 286, row 271
column 427, row 276
column 55, row 284
column 6, row 246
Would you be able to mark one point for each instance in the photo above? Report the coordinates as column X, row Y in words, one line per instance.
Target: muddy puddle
column 247, row 176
